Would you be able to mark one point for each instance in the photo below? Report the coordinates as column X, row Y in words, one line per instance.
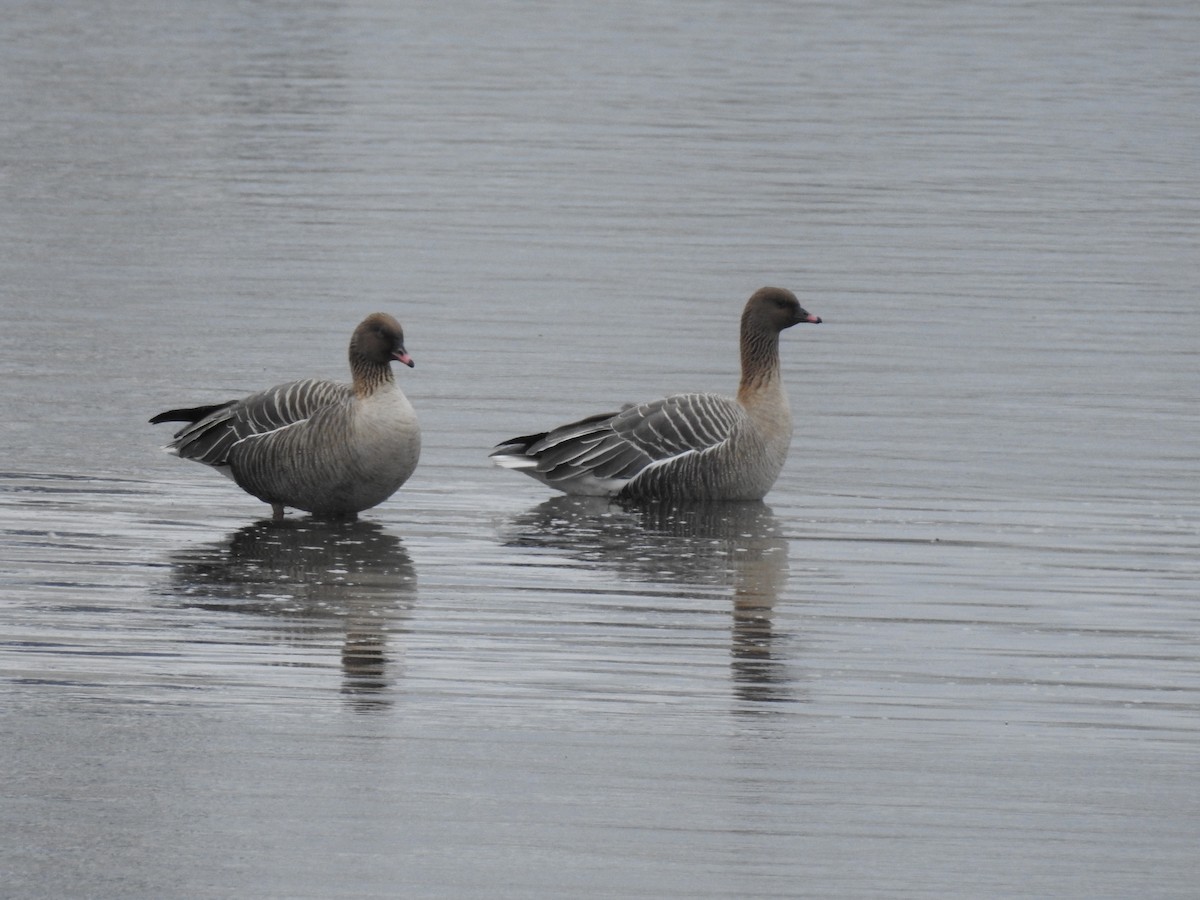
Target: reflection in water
column 310, row 572
column 739, row 545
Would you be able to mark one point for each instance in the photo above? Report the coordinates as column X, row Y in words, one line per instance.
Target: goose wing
column 213, row 430
column 677, row 425
column 613, row 448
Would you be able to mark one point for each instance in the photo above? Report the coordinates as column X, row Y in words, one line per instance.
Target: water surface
column 952, row 654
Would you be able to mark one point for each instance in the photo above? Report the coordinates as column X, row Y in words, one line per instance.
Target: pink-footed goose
column 686, row 446
column 323, row 447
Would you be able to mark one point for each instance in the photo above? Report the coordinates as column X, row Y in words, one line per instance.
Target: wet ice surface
column 954, row 653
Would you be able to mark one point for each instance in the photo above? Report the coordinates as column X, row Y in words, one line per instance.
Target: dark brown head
column 378, row 340
column 773, row 309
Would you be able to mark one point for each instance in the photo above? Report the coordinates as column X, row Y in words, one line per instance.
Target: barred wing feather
column 616, row 447
column 679, row 424
column 210, row 438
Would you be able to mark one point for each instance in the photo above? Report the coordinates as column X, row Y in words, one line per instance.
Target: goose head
column 773, row 309
column 378, row 340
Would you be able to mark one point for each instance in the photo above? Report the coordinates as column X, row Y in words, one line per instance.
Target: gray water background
column 955, row 653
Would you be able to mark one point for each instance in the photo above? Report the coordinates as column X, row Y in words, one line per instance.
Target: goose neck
column 369, row 376
column 760, row 364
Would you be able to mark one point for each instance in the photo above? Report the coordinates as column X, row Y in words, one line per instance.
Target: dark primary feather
column 189, row 413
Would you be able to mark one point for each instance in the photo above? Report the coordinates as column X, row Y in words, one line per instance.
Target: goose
column 323, row 447
column 683, row 447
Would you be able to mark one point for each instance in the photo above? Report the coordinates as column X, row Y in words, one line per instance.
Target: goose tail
column 514, row 453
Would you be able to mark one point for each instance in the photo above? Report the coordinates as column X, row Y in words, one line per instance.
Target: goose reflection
column 738, row 545
column 311, row 574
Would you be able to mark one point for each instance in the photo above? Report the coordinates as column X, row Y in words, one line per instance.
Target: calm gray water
column 955, row 653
